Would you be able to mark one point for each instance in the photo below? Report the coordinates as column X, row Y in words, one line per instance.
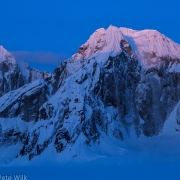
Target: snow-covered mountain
column 122, row 84
column 15, row 74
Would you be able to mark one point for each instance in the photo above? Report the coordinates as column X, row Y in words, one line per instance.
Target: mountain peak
column 101, row 41
column 100, row 94
column 5, row 55
column 148, row 45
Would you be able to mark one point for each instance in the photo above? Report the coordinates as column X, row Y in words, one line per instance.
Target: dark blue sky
column 37, row 29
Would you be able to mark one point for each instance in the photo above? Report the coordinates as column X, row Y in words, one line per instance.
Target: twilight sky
column 44, row 32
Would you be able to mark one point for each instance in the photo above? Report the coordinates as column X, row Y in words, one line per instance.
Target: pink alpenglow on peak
column 101, row 41
column 151, row 45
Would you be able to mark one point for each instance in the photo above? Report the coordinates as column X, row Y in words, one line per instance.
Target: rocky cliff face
column 14, row 75
column 121, row 84
column 10, row 78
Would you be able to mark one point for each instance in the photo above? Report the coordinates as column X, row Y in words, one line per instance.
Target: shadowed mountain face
column 13, row 74
column 121, row 84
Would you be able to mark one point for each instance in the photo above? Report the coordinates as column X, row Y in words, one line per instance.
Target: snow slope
column 101, row 42
column 109, row 101
column 150, row 45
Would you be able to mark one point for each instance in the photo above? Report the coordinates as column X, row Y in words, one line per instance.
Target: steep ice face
column 101, row 45
column 101, row 41
column 151, row 46
column 35, row 75
column 25, row 70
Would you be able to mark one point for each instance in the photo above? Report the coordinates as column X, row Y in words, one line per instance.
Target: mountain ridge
column 14, row 74
column 104, row 91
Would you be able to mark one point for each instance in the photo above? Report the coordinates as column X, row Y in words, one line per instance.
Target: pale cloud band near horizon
column 40, row 59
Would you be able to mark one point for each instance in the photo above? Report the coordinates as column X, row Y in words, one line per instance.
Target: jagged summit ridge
column 149, row 46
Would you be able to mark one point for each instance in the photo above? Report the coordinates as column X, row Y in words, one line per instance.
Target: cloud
column 40, row 59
